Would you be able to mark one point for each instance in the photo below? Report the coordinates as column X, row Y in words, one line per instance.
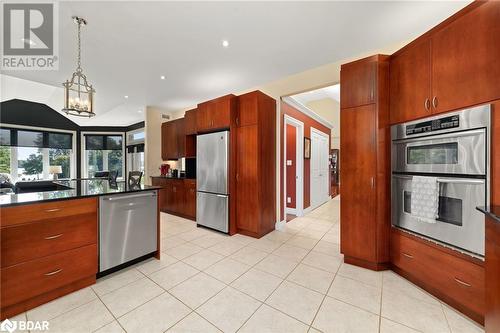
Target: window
column 26, row 154
column 103, row 153
column 135, row 158
column 443, row 153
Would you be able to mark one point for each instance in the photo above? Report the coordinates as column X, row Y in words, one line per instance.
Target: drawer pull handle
column 53, row 237
column 53, row 210
column 407, row 255
column 463, row 283
column 54, row 272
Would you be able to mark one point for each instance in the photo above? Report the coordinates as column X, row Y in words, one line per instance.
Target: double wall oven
column 454, row 149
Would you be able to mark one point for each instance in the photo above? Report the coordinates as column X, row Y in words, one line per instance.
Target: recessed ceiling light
column 162, row 77
column 225, row 43
column 140, row 111
column 126, row 96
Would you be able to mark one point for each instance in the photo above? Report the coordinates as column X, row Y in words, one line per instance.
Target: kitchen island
column 50, row 240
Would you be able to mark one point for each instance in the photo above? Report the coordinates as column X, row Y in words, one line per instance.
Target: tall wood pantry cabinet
column 364, row 163
column 256, row 164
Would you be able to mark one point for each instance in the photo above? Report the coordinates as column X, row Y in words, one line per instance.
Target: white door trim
column 299, row 193
column 323, row 134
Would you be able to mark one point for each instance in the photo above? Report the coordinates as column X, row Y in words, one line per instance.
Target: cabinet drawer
column 32, row 278
column 39, row 239
column 43, row 211
column 456, row 278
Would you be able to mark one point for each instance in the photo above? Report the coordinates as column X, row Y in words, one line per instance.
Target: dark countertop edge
column 489, row 213
column 76, row 197
column 179, row 178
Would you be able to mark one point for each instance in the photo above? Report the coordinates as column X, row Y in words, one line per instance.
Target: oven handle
column 449, row 180
column 422, row 140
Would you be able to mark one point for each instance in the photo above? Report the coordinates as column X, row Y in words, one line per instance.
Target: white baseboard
column 291, row 211
column 280, row 225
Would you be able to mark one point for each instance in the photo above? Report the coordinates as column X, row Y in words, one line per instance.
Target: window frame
column 45, row 151
column 83, row 159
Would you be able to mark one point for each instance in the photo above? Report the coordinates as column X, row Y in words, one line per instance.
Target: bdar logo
column 8, row 326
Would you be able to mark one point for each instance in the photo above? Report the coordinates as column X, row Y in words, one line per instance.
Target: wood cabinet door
column 202, row 120
column 178, row 197
column 247, row 198
column 358, row 170
column 220, row 113
column 190, row 200
column 190, row 122
column 164, row 140
column 181, row 137
column 169, row 197
column 358, row 83
column 410, row 83
column 248, row 105
column 169, row 136
column 466, row 59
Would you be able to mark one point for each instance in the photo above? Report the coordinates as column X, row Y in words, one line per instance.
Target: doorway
column 293, row 167
column 320, row 148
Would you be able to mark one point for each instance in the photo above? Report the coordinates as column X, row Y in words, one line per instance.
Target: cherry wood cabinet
column 47, row 250
column 173, row 138
column 455, row 278
column 181, row 137
column 410, row 90
column 365, row 169
column 190, row 197
column 455, row 65
column 177, row 196
column 358, row 84
column 215, row 114
column 492, row 268
column 465, row 59
column 169, row 141
column 190, row 122
column 256, row 164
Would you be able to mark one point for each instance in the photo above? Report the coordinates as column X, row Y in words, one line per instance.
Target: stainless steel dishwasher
column 127, row 228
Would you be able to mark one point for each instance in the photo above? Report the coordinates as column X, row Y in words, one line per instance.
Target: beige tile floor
column 289, row 281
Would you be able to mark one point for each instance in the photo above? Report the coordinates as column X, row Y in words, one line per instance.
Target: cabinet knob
column 435, row 102
column 427, row 104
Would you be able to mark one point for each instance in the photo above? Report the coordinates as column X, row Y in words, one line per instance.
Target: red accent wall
column 291, row 154
column 308, row 123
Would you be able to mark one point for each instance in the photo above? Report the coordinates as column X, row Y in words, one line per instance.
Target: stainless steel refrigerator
column 212, row 164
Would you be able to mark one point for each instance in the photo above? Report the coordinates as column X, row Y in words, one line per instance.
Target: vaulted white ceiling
column 127, row 46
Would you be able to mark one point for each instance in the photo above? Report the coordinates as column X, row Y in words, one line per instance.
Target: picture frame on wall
column 307, row 148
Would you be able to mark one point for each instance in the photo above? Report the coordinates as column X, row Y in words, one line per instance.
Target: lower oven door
column 458, row 224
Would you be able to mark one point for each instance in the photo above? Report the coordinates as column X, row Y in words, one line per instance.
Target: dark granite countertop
column 492, row 212
column 170, row 177
column 73, row 189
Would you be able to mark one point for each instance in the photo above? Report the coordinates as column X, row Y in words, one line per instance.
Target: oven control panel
column 433, row 125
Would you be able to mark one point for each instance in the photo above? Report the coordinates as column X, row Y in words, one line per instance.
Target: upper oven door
column 450, row 153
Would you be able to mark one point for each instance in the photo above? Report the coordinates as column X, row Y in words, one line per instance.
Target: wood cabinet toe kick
column 47, row 250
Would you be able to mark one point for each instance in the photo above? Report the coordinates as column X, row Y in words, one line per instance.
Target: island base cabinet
column 48, row 250
column 23, row 282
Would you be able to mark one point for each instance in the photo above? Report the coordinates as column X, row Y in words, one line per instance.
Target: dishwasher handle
column 112, row 198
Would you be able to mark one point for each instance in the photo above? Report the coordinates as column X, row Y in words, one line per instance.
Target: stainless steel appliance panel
column 212, row 210
column 212, row 158
column 457, row 153
column 459, row 223
column 127, row 227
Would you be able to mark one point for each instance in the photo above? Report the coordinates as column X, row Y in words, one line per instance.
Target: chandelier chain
column 79, row 62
